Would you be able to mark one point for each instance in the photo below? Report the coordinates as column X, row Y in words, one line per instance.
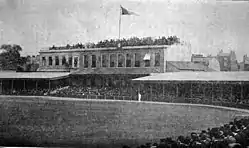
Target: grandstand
column 199, row 87
column 109, row 66
column 107, row 73
column 24, row 81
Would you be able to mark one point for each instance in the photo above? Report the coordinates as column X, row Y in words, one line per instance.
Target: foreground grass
column 45, row 122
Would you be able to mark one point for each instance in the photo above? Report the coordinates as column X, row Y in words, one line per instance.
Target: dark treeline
column 10, row 57
column 134, row 41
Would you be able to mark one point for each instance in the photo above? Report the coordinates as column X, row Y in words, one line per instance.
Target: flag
column 126, row 12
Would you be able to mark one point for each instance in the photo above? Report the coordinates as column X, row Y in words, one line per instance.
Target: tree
column 10, row 59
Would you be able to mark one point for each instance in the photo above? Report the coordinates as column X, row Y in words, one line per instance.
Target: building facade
column 126, row 60
column 244, row 65
column 180, row 66
column 199, row 58
column 139, row 58
column 227, row 61
column 99, row 65
column 209, row 61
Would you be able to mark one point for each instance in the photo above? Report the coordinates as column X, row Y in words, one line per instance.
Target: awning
column 33, row 75
column 242, row 76
column 147, row 57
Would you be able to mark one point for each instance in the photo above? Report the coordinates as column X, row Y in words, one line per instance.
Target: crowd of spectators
column 134, row 41
column 83, row 92
column 232, row 135
column 30, row 92
column 71, row 91
column 127, row 94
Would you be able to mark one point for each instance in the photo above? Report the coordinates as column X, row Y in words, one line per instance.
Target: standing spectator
column 139, row 96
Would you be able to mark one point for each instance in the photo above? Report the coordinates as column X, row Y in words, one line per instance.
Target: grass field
column 46, row 122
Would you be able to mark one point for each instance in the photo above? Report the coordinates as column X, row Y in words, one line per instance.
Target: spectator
column 212, row 138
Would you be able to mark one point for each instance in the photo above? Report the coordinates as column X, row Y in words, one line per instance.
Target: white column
column 67, row 58
column 73, row 61
column 47, row 61
column 60, row 60
column 40, row 61
column 53, row 59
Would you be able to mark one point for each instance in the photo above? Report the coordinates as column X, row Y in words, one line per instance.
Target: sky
column 208, row 25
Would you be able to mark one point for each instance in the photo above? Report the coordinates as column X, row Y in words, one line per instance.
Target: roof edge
column 109, row 48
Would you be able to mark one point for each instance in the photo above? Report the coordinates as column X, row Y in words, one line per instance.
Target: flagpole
column 119, row 23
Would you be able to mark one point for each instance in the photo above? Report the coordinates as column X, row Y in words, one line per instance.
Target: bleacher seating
column 232, row 135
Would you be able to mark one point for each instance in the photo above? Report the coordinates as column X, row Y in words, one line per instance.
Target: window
column 147, row 60
column 86, row 59
column 70, row 61
column 157, row 59
column 64, row 61
column 43, row 61
column 121, row 60
column 137, row 59
column 147, row 63
column 113, row 59
column 75, row 62
column 57, row 61
column 128, row 60
column 104, row 60
column 93, row 60
column 50, row 61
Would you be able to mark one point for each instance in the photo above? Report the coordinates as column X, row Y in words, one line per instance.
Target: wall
column 171, row 68
column 131, row 50
column 52, row 67
column 178, row 53
column 214, row 64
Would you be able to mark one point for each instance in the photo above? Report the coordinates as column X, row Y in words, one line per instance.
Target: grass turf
column 44, row 122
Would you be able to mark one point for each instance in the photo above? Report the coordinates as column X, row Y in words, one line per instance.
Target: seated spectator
column 220, row 139
column 155, row 145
